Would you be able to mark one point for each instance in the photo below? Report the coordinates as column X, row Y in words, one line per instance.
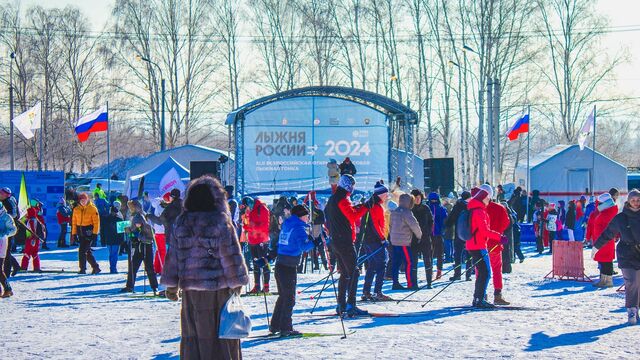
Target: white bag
column 234, row 322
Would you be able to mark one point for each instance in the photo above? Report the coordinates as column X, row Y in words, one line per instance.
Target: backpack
column 463, row 226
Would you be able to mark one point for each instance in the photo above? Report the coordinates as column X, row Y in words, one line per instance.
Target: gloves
column 385, row 243
column 593, row 253
column 171, row 293
column 504, row 240
column 260, row 262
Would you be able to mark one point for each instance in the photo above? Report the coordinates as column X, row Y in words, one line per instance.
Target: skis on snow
column 302, row 335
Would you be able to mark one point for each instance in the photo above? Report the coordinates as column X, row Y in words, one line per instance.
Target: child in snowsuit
column 32, row 243
column 292, row 242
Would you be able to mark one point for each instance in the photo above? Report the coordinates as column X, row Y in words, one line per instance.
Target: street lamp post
column 162, row 87
column 13, row 158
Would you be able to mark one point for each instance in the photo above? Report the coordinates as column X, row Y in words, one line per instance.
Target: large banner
column 288, row 143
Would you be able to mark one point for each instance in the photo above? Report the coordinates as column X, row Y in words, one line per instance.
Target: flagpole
column 108, row 155
column 593, row 155
column 40, row 141
column 529, row 188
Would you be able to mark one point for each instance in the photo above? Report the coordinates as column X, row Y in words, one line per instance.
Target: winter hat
column 117, row 204
column 347, row 182
column 333, row 161
column 299, row 211
column 175, row 193
column 583, row 198
column 311, row 195
column 380, row 188
column 483, row 192
column 392, row 205
column 6, row 190
column 604, row 197
column 633, row 194
column 433, row 196
column 417, row 192
column 247, row 201
column 465, row 195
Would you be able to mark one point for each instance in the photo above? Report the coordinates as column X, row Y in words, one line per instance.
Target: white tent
column 159, row 180
column 564, row 172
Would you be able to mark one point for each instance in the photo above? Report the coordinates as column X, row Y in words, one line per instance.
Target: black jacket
column 627, row 224
column 452, row 219
column 425, row 219
column 570, row 220
column 168, row 218
column 111, row 228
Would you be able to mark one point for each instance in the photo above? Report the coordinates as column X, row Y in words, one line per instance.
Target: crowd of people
column 214, row 242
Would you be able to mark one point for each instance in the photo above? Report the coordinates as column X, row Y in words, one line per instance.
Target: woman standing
column 570, row 220
column 627, row 224
column 605, row 254
column 205, row 261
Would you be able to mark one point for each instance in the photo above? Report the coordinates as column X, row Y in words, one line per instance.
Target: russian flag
column 521, row 126
column 95, row 122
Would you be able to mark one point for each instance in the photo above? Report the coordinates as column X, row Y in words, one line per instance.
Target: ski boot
column 126, row 289
column 366, row 296
column 288, row 333
column 340, row 310
column 255, row 290
column 82, row 272
column 482, row 304
column 438, row 274
column 95, row 271
column 7, row 293
column 499, row 300
column 457, row 275
column 632, row 314
column 265, row 289
column 353, row 311
column 397, row 286
column 379, row 296
column 273, row 330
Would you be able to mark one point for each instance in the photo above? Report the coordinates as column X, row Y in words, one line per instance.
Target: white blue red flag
column 95, row 122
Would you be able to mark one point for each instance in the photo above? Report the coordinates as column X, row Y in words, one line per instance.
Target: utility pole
column 496, row 131
column 11, row 146
column 490, row 129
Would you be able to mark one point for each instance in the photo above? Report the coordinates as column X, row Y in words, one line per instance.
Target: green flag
column 23, row 198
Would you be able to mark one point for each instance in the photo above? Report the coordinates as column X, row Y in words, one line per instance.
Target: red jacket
column 498, row 222
column 378, row 219
column 352, row 213
column 258, row 227
column 63, row 219
column 480, row 226
column 590, row 224
column 608, row 252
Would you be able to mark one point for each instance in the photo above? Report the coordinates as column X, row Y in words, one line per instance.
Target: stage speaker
column 199, row 168
column 439, row 176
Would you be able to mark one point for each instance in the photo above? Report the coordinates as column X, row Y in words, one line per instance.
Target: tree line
column 441, row 57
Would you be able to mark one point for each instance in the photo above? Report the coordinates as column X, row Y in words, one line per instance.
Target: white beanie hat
column 604, row 197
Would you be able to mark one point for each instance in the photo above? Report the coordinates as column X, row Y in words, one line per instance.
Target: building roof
column 367, row 98
column 553, row 151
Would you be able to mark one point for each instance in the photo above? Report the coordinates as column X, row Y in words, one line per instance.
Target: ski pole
column 443, row 275
column 451, row 282
column 266, row 308
column 335, row 292
column 358, row 264
column 319, row 295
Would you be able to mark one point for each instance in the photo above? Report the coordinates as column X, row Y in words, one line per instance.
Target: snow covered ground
column 69, row 316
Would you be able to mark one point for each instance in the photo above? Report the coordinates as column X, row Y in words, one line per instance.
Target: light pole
column 13, row 158
column 162, row 133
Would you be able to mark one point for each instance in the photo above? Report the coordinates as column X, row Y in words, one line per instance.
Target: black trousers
column 481, row 259
column 85, row 254
column 517, row 246
column 426, row 249
column 286, row 279
column 62, row 238
column 3, row 277
column 141, row 253
column 10, row 262
column 460, row 255
column 345, row 257
column 259, row 256
column 606, row 268
column 437, row 244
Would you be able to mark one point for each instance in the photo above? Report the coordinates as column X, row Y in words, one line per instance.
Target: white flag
column 28, row 121
column 171, row 180
column 586, row 129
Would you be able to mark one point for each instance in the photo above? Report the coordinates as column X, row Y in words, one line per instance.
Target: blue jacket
column 293, row 241
column 7, row 226
column 439, row 214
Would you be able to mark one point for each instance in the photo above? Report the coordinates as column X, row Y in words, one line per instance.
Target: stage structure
column 284, row 141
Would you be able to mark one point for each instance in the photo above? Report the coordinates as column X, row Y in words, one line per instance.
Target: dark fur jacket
column 204, row 253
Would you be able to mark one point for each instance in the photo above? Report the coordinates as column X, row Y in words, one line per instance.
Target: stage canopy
column 284, row 141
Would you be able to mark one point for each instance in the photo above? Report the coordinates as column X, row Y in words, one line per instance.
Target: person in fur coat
column 204, row 261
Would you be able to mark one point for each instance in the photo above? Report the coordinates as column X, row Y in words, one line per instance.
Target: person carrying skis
column 341, row 216
column 422, row 245
column 142, row 238
column 292, row 242
column 627, row 226
column 7, row 228
column 36, row 232
column 403, row 227
column 257, row 230
column 604, row 255
column 498, row 222
column 86, row 227
column 477, row 245
column 439, row 216
column 375, row 243
column 459, row 253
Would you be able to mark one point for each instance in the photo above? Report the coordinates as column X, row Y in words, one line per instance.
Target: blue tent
column 151, row 180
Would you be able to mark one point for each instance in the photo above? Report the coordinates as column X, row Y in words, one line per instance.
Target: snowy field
column 68, row 316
